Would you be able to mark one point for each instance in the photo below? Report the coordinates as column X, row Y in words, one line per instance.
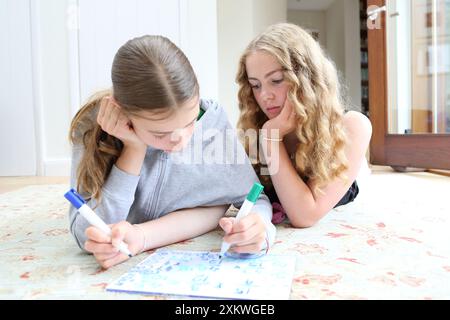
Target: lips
column 273, row 109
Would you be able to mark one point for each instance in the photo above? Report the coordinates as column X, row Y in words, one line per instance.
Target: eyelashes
column 257, row 86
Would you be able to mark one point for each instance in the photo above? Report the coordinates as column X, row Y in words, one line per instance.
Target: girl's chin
column 270, row 116
column 272, row 113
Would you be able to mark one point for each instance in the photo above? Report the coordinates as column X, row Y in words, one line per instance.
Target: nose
column 175, row 139
column 178, row 140
column 177, row 136
column 266, row 94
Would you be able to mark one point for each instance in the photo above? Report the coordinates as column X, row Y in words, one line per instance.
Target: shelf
column 363, row 33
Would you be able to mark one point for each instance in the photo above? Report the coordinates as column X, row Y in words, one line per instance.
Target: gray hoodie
column 172, row 181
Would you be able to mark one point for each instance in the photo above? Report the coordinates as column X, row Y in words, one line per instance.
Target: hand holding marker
column 79, row 203
column 244, row 211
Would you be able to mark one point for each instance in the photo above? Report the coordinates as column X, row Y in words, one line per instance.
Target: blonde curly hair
column 315, row 94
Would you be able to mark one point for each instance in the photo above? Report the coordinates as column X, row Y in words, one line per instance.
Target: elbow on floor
column 303, row 224
column 304, row 220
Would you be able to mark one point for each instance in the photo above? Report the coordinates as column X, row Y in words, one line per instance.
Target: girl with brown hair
column 125, row 141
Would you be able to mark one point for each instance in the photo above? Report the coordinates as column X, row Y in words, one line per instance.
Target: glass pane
column 443, row 66
column 418, row 55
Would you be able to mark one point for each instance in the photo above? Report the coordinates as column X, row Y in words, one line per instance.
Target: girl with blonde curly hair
column 289, row 91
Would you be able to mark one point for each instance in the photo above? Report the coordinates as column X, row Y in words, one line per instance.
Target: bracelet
column 272, row 139
column 144, row 238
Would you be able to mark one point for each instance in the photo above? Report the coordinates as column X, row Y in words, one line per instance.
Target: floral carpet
column 393, row 242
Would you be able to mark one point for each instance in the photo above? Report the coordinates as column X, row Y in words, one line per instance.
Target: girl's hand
column 248, row 235
column 285, row 122
column 113, row 121
column 104, row 247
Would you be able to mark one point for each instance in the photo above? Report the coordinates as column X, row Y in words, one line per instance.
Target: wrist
column 271, row 134
column 142, row 242
column 135, row 147
column 131, row 160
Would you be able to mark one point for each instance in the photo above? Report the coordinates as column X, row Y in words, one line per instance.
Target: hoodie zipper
column 163, row 158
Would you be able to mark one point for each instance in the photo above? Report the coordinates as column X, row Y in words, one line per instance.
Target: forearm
column 117, row 197
column 181, row 225
column 264, row 209
column 131, row 159
column 294, row 194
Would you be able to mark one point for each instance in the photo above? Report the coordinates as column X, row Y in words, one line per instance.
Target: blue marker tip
column 74, row 198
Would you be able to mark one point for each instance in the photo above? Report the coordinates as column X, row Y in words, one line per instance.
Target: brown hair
column 148, row 73
column 316, row 98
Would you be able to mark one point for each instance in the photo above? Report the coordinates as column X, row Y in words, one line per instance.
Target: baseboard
column 57, row 167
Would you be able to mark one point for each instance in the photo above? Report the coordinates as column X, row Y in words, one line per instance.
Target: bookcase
column 364, row 58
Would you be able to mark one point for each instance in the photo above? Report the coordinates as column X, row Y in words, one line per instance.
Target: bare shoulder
column 358, row 126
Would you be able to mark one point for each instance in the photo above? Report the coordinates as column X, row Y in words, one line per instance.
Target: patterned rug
column 393, row 242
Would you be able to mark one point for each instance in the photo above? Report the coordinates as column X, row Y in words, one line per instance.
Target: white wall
column 232, row 39
column 52, row 66
column 17, row 128
column 343, row 46
column 339, row 36
column 335, row 20
column 213, row 34
column 199, row 41
column 312, row 20
column 189, row 24
column 267, row 12
column 239, row 21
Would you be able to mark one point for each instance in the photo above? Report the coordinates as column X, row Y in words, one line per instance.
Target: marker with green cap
column 244, row 211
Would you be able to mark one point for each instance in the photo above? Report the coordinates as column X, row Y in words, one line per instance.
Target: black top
column 347, row 198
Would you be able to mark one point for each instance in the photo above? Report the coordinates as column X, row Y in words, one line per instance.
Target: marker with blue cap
column 244, row 211
column 78, row 202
